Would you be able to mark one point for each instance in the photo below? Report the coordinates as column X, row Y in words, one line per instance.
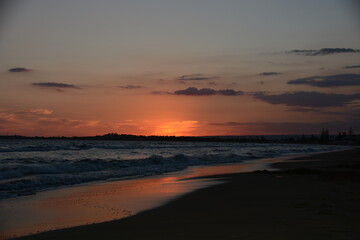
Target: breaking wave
column 27, row 167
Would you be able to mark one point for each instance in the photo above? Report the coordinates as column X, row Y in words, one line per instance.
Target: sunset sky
column 189, row 67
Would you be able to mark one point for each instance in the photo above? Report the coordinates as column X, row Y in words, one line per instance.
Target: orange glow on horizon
column 177, row 128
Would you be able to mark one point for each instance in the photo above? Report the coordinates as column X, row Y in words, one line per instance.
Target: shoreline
column 116, row 162
column 278, row 204
column 106, row 201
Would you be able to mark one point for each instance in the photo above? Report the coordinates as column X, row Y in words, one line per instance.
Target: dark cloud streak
column 131, row 87
column 192, row 91
column 339, row 80
column 308, row 99
column 57, row 86
column 323, row 51
column 354, row 66
column 195, row 77
column 269, row 73
column 19, row 70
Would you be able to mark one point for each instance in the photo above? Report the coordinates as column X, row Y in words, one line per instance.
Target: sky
column 184, row 68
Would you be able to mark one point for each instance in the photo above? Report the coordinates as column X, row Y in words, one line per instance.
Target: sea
column 28, row 166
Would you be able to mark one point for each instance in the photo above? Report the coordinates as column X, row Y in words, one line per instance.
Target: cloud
column 56, row 86
column 269, row 73
column 308, row 99
column 37, row 111
column 42, row 122
column 344, row 112
column 195, row 77
column 229, row 92
column 19, row 70
column 323, row 51
column 65, row 122
column 192, row 91
column 339, row 80
column 131, row 87
column 25, row 114
column 21, row 118
column 354, row 66
column 196, row 92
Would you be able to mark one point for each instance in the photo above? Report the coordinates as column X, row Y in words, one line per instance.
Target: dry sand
column 314, row 197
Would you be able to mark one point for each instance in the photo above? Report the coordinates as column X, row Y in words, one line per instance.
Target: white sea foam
column 29, row 166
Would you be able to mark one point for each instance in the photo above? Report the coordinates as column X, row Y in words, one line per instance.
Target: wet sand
column 315, row 197
column 105, row 201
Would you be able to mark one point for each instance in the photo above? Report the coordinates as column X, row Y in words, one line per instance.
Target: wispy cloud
column 55, row 86
column 269, row 73
column 38, row 122
column 338, row 80
column 21, row 117
column 131, row 87
column 19, row 70
column 323, row 51
column 308, row 99
column 192, row 91
column 196, row 77
column 349, row 112
column 36, row 111
column 353, row 66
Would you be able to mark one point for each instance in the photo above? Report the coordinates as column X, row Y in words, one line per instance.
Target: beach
column 309, row 197
column 190, row 120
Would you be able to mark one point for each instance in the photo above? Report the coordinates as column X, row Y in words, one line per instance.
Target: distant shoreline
column 300, row 139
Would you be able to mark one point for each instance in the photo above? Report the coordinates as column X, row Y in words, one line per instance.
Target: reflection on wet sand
column 107, row 201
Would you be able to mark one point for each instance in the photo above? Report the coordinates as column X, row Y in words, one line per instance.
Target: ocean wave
column 27, row 172
column 24, row 167
column 83, row 145
column 46, row 146
column 19, row 179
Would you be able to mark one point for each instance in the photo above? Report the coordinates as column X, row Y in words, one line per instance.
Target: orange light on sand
column 177, row 128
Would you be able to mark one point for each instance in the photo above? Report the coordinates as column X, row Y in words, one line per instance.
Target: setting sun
column 178, row 128
column 121, row 109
